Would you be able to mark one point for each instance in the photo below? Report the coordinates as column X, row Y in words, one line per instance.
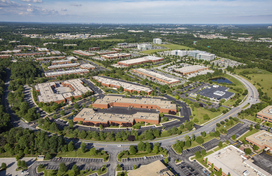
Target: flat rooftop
column 217, row 92
column 232, row 160
column 47, row 93
column 157, row 75
column 163, row 104
column 80, row 52
column 156, row 168
column 125, row 85
column 88, row 66
column 59, row 61
column 192, row 68
column 66, row 72
column 142, row 59
column 52, row 57
column 116, row 55
column 88, row 114
column 63, row 65
column 267, row 112
column 262, row 138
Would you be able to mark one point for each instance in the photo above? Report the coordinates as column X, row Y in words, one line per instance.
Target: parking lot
column 87, row 160
column 191, row 151
column 70, row 166
column 192, row 169
column 148, row 159
column 211, row 144
column 264, row 161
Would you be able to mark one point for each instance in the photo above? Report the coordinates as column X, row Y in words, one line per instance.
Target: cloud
column 76, row 5
column 34, row 1
column 64, row 10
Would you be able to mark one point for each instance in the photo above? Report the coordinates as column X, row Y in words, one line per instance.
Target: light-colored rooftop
column 192, row 68
column 59, row 61
column 80, row 52
column 89, row 114
column 88, row 66
column 232, row 160
column 66, row 72
column 63, row 65
column 262, row 138
column 267, row 112
column 116, row 55
column 52, row 57
column 125, row 85
column 48, row 95
column 163, row 104
column 71, row 58
column 157, row 75
column 142, row 59
column 156, row 168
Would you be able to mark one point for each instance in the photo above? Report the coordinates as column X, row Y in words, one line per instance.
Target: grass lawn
column 199, row 112
column 79, row 154
column 218, row 148
column 225, row 126
column 242, row 138
column 250, row 117
column 260, row 76
column 153, row 51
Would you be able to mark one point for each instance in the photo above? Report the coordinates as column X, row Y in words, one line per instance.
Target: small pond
column 221, row 80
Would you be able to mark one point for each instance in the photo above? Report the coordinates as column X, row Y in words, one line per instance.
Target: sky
column 138, row 11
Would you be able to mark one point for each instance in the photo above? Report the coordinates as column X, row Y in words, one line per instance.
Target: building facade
column 266, row 114
column 157, row 41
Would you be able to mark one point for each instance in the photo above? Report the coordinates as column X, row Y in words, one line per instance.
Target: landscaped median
column 141, row 150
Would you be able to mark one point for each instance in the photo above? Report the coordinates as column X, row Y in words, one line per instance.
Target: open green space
column 259, row 78
column 242, row 138
column 169, row 46
column 79, row 154
column 198, row 113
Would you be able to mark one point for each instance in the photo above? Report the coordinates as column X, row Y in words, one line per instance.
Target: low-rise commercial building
column 145, row 103
column 67, row 72
column 239, row 165
column 55, row 52
column 116, row 56
column 56, row 66
column 10, row 51
column 266, row 114
column 83, row 53
column 69, row 44
column 157, row 168
column 94, row 49
column 180, row 53
column 106, row 52
column 262, row 139
column 42, row 49
column 87, row 66
column 116, row 49
column 49, row 58
column 3, row 56
column 24, row 46
column 201, row 55
column 141, row 60
column 28, row 54
column 130, row 87
column 61, row 92
column 90, row 117
column 71, row 58
column 156, row 76
column 144, row 46
column 190, row 69
column 157, row 41
column 57, row 62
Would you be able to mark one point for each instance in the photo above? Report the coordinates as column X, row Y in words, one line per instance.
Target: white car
column 119, row 145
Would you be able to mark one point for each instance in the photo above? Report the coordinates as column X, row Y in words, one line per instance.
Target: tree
column 76, row 106
column 83, row 134
column 71, row 146
column 62, row 168
column 93, row 99
column 71, row 124
column 134, row 167
column 247, row 151
column 220, row 171
column 166, row 160
column 199, row 140
column 75, row 169
column 54, row 116
column 203, row 152
column 62, row 113
column 47, row 156
column 93, row 151
column 233, row 137
column 132, row 150
column 141, row 146
column 148, row 147
column 23, row 164
column 257, row 126
column 188, row 143
column 255, row 147
column 83, row 147
column 3, row 166
column 220, row 144
column 197, row 154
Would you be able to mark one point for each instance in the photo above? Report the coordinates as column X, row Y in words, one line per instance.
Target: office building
column 116, row 49
column 262, row 139
column 29, row 54
column 61, row 92
column 141, row 60
column 57, row 62
column 67, row 72
column 156, row 76
column 190, row 69
column 144, row 46
column 116, row 56
column 49, row 58
column 266, row 114
column 94, row 49
column 157, row 41
column 201, row 55
column 106, row 52
column 145, row 103
column 83, row 53
column 157, row 168
column 233, row 161
column 3, row 56
column 87, row 66
column 56, row 66
column 90, row 117
column 10, row 51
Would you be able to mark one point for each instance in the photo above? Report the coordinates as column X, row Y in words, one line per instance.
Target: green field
column 242, row 138
column 262, row 77
column 169, row 46
column 199, row 112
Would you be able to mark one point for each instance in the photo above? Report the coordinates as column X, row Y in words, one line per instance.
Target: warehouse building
column 28, row 54
column 156, row 76
column 116, row 56
column 10, row 51
column 216, row 93
column 239, row 165
column 90, row 117
column 63, row 66
column 106, row 52
column 57, row 62
column 157, row 168
column 190, row 69
column 146, row 103
column 157, row 41
column 49, row 58
column 266, row 114
column 130, row 87
column 141, row 60
column 61, row 92
column 55, row 52
column 87, row 66
column 67, row 72
column 262, row 139
column 83, row 53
